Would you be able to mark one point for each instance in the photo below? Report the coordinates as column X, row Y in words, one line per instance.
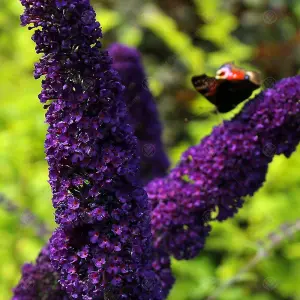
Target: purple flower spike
column 144, row 116
column 226, row 166
column 39, row 281
column 93, row 160
column 162, row 268
column 145, row 120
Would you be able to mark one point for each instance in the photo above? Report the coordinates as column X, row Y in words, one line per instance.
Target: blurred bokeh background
column 177, row 39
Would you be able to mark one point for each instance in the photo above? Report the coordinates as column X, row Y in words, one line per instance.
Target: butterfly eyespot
column 222, row 74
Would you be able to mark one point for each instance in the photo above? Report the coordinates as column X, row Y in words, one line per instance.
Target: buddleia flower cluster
column 142, row 111
column 144, row 118
column 231, row 163
column 102, row 247
column 39, row 281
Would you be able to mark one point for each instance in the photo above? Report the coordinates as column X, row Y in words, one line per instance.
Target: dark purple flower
column 93, row 159
column 39, row 281
column 142, row 110
column 162, row 267
column 226, row 166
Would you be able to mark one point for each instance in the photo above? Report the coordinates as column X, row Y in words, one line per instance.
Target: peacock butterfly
column 231, row 86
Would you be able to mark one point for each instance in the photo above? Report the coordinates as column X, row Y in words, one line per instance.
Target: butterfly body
column 230, row 87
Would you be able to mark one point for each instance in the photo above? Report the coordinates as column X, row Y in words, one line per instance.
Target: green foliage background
column 177, row 39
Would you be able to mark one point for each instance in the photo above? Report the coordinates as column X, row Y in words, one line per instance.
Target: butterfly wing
column 231, row 93
column 224, row 94
column 206, row 86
